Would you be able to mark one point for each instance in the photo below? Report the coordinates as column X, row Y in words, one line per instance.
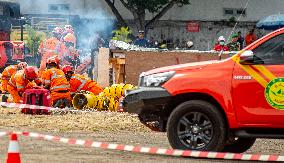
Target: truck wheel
column 239, row 145
column 196, row 125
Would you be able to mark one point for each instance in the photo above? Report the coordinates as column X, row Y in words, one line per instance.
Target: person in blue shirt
column 141, row 40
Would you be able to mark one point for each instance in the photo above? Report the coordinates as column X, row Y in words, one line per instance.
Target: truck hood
column 183, row 67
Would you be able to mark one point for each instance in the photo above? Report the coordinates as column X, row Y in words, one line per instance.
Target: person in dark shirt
column 141, row 40
column 241, row 40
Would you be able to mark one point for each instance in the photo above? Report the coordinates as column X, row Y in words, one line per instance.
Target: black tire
column 239, row 145
column 202, row 123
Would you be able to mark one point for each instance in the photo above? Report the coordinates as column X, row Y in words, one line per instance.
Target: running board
column 260, row 133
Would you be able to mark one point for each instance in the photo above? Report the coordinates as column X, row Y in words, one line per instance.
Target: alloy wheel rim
column 195, row 130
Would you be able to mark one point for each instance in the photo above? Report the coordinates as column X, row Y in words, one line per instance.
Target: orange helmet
column 22, row 65
column 30, row 73
column 70, row 38
column 57, row 30
column 67, row 68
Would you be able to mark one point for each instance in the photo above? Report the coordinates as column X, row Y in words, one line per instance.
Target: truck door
column 258, row 89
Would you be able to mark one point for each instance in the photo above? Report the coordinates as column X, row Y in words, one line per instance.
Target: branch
column 161, row 13
column 116, row 13
column 130, row 8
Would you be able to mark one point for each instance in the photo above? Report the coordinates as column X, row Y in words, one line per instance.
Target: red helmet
column 30, row 73
column 67, row 68
column 22, row 65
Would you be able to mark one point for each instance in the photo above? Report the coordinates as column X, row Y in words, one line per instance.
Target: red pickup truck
column 216, row 105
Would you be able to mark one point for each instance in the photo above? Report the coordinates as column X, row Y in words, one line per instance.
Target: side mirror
column 246, row 58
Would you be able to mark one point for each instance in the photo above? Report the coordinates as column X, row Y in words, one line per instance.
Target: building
column 201, row 22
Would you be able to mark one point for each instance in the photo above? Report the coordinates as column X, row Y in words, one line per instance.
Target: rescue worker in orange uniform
column 79, row 82
column 54, row 80
column 8, row 72
column 51, row 47
column 21, row 81
column 71, row 54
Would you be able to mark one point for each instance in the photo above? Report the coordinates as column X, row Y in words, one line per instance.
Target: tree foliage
column 152, row 6
column 122, row 34
column 139, row 8
column 34, row 38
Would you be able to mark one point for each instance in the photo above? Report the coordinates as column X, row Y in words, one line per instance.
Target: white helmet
column 221, row 38
column 189, row 44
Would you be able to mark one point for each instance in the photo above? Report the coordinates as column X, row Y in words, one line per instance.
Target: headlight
column 155, row 80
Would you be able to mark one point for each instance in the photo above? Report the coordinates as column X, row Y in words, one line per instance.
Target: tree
column 34, row 39
column 138, row 8
column 122, row 34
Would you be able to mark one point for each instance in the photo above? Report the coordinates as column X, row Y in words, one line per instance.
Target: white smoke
column 95, row 16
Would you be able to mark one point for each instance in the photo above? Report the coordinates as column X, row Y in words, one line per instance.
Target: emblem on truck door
column 274, row 93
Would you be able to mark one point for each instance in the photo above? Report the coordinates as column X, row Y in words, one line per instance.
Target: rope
column 238, row 21
column 234, row 27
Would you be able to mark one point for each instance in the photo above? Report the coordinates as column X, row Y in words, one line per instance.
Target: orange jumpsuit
column 79, row 82
column 18, row 84
column 6, row 75
column 59, row 86
column 49, row 48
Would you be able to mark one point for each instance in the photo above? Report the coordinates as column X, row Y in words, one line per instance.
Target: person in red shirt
column 250, row 37
column 221, row 46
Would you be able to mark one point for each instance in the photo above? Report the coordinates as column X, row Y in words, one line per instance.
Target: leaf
column 122, row 34
column 34, row 38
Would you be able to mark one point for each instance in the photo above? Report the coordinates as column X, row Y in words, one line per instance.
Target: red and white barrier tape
column 22, row 106
column 153, row 150
column 2, row 134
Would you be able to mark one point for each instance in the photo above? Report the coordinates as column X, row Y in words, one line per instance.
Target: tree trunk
column 139, row 18
column 161, row 13
column 120, row 19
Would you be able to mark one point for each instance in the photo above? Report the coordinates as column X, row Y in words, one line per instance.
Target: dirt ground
column 106, row 127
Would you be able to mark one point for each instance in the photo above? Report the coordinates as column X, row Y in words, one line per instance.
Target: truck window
column 270, row 52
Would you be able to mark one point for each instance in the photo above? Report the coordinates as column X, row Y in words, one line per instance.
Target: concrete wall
column 213, row 9
column 205, row 39
column 205, row 10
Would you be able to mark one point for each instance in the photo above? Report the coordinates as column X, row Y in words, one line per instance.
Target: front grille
column 131, row 98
